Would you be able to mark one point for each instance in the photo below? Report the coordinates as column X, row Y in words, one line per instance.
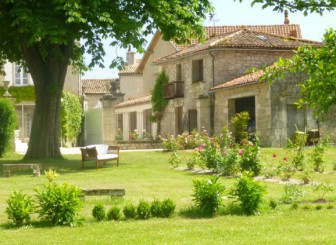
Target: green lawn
column 148, row 175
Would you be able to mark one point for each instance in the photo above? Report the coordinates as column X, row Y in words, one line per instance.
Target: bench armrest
column 89, row 153
column 113, row 149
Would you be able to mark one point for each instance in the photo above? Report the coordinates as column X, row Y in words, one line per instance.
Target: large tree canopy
column 45, row 36
column 318, row 91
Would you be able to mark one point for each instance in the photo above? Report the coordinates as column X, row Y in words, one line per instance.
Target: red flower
column 285, row 159
column 274, row 155
column 240, row 152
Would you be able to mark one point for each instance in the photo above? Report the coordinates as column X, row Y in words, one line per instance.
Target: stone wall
column 137, row 145
column 131, row 85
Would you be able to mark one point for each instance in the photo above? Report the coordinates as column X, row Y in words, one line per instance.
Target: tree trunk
column 48, row 74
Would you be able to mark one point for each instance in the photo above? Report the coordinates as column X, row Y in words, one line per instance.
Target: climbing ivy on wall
column 71, row 117
column 24, row 93
column 159, row 103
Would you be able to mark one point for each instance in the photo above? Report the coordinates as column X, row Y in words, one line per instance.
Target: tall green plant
column 240, row 121
column 159, row 103
column 8, row 122
column 208, row 194
column 71, row 117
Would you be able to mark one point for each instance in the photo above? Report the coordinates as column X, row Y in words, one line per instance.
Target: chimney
column 286, row 22
column 130, row 56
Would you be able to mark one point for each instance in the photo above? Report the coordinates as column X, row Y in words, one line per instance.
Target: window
column 21, row 77
column 132, row 121
column 147, row 124
column 192, row 114
column 197, row 70
column 178, row 72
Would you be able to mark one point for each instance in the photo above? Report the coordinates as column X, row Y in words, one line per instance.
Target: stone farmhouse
column 17, row 77
column 208, row 84
column 216, row 86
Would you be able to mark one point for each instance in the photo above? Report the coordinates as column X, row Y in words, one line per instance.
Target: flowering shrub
column 170, row 143
column 146, row 135
column 120, row 135
column 230, row 164
column 133, row 135
column 250, row 157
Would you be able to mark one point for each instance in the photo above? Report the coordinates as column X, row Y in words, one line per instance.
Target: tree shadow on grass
column 70, row 164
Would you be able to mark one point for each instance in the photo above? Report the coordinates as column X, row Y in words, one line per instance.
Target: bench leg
column 118, row 162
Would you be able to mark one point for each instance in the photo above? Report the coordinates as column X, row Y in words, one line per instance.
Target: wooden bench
column 102, row 192
column 100, row 153
column 7, row 168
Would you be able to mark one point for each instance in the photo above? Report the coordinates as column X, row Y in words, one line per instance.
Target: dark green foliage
column 273, row 204
column 130, row 211
column 24, row 93
column 208, row 194
column 8, row 122
column 143, row 210
column 168, row 207
column 114, row 213
column 159, row 103
column 249, row 192
column 98, row 212
column 19, row 208
column 59, row 204
column 156, row 208
column 71, row 117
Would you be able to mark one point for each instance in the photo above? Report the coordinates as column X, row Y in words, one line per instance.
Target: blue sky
column 229, row 12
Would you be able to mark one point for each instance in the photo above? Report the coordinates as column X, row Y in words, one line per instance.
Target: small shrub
column 230, row 164
column 208, row 194
column 240, row 121
column 168, row 208
column 293, row 193
column 8, row 123
column 250, row 157
column 143, row 210
column 322, row 188
column 305, row 176
column 317, row 156
column 318, row 207
column 59, row 203
column 174, row 160
column 130, row 211
column 306, row 207
column 19, row 208
column 51, row 175
column 273, row 204
column 249, row 192
column 114, row 213
column 334, row 166
column 156, row 208
column 98, row 212
column 330, row 206
column 295, row 205
column 299, row 138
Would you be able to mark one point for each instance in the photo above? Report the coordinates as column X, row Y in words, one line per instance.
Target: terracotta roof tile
column 292, row 30
column 136, row 101
column 240, row 81
column 243, row 38
column 131, row 69
column 97, row 86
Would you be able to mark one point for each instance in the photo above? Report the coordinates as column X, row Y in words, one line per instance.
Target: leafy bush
column 8, row 123
column 250, row 157
column 174, row 160
column 249, row 192
column 293, row 194
column 168, row 208
column 299, row 138
column 71, row 117
column 143, row 210
column 114, row 213
column 19, row 208
column 156, row 208
column 240, row 121
column 59, row 203
column 322, row 188
column 317, row 157
column 130, row 211
column 230, row 163
column 51, row 175
column 273, row 204
column 170, row 143
column 208, row 194
column 98, row 212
